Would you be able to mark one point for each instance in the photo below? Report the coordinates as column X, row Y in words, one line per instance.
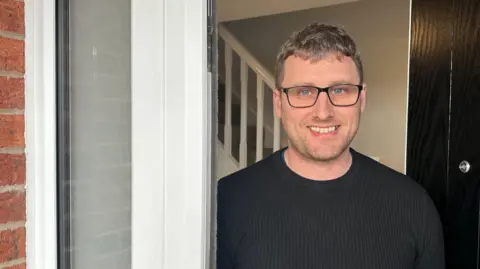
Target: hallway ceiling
column 229, row 10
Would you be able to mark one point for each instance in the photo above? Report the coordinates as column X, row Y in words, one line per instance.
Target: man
column 318, row 203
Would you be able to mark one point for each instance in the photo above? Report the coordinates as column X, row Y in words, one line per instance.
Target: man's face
column 324, row 131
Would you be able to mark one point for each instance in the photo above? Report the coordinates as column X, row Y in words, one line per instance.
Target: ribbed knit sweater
column 370, row 218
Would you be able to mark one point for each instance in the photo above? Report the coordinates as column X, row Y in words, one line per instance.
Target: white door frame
column 171, row 145
column 171, row 138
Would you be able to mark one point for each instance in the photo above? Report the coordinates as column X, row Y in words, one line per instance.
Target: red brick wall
column 12, row 142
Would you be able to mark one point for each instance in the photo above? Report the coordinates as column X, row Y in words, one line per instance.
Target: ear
column 277, row 102
column 363, row 97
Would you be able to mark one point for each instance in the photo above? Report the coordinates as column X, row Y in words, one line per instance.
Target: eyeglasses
column 339, row 95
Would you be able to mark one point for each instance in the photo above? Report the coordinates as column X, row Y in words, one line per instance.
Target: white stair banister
column 244, row 54
column 260, row 105
column 264, row 79
column 228, row 100
column 243, row 113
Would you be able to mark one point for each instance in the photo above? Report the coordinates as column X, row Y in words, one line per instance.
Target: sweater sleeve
column 431, row 246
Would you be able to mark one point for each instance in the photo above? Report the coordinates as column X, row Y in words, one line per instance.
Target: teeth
column 323, row 130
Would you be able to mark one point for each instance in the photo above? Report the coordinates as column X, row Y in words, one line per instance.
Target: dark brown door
column 464, row 158
column 443, row 148
column 429, row 95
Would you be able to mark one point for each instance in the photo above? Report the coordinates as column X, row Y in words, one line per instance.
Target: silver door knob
column 464, row 166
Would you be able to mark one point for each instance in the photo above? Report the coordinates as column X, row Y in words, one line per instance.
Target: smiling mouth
column 324, row 130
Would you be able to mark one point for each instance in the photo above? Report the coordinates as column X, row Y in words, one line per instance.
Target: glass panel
column 95, row 190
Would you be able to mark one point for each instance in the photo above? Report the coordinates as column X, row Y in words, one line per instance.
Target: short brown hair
column 315, row 41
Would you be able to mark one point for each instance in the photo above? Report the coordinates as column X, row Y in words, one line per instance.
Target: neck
column 318, row 170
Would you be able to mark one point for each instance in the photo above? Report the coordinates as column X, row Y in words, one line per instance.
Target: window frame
column 171, row 205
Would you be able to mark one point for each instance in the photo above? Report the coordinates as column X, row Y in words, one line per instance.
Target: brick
column 18, row 266
column 12, row 16
column 12, row 93
column 12, row 245
column 12, row 169
column 12, row 128
column 12, row 206
column 12, row 54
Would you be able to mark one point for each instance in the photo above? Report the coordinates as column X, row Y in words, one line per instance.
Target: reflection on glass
column 100, row 126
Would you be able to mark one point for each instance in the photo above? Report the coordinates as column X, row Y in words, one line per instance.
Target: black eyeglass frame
column 320, row 90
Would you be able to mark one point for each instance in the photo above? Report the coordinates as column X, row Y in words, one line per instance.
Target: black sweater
column 371, row 218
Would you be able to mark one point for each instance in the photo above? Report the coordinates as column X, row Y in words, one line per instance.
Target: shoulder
column 403, row 194
column 247, row 180
column 395, row 189
column 386, row 178
column 239, row 193
column 398, row 193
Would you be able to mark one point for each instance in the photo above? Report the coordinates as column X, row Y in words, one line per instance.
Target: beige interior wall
column 381, row 30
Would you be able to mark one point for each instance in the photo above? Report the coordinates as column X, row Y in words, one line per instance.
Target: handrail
column 237, row 46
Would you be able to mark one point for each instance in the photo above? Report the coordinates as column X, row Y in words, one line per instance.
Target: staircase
column 236, row 129
column 243, row 136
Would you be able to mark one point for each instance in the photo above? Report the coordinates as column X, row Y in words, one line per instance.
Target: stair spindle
column 260, row 104
column 243, row 113
column 228, row 100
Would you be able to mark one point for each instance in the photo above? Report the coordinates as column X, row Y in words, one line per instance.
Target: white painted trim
column 148, row 138
column 40, row 117
column 171, row 145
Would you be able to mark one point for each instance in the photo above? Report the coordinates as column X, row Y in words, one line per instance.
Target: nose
column 323, row 108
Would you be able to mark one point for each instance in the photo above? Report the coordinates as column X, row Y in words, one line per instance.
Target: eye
column 338, row 90
column 301, row 91
column 304, row 92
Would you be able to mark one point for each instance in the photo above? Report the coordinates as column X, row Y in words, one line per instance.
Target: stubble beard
column 300, row 145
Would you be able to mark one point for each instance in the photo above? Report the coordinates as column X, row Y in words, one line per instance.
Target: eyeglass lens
column 339, row 95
